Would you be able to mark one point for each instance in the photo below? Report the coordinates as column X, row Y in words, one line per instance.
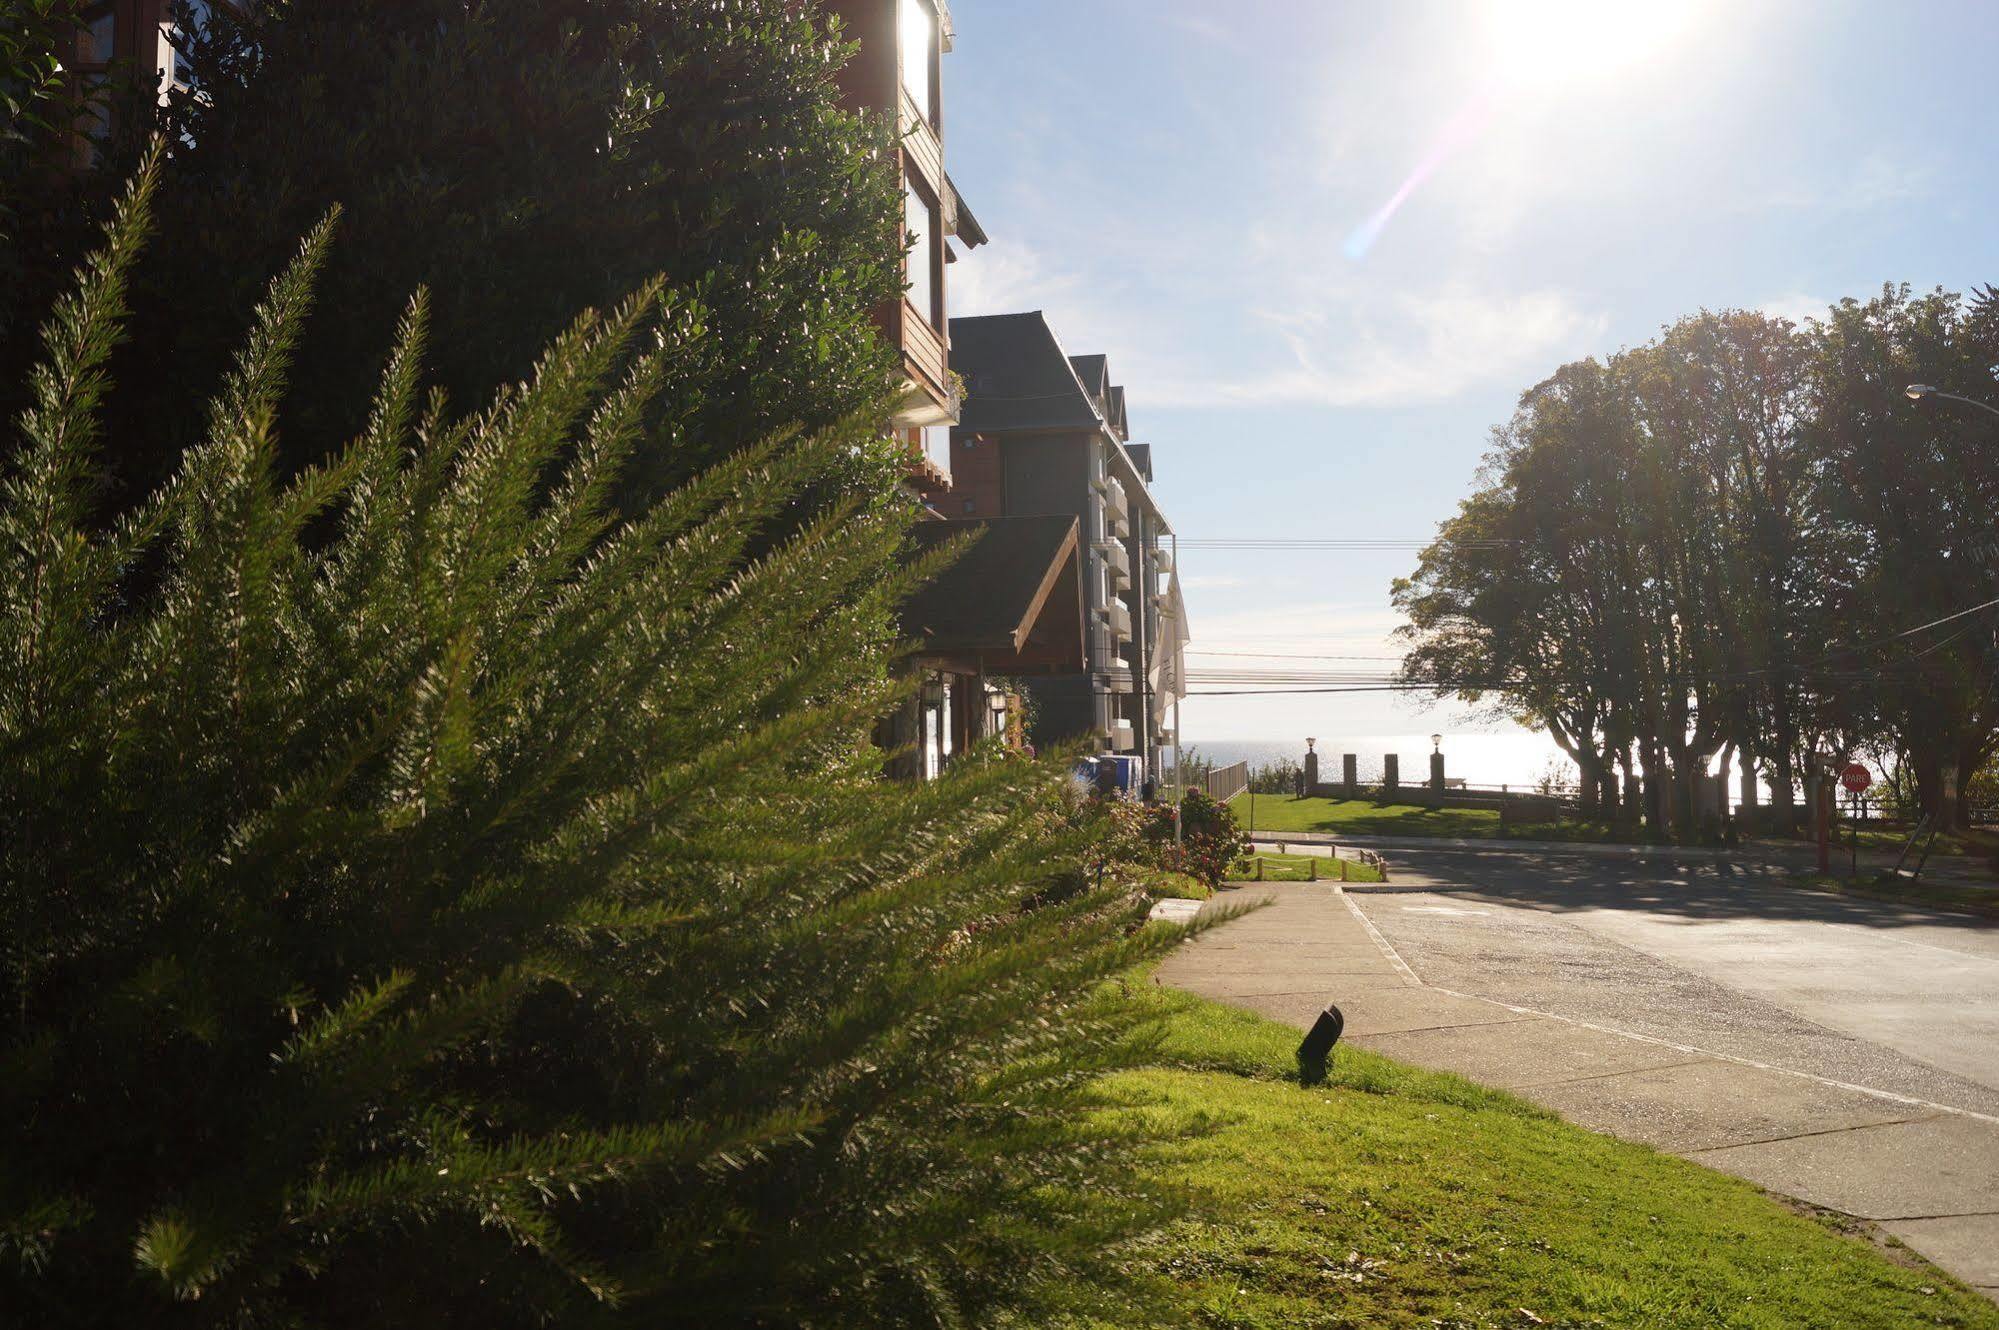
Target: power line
column 1288, row 655
column 1275, row 543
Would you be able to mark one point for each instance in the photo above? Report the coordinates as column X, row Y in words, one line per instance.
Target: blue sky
column 1176, row 184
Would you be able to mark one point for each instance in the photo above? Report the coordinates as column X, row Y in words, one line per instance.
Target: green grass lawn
column 1397, row 1197
column 1981, row 844
column 1941, row 894
column 1364, row 817
column 1301, row 868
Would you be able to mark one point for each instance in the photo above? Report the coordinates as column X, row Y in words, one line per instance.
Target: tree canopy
column 1738, row 540
column 521, row 159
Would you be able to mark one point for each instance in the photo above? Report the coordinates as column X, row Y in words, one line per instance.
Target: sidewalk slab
column 1710, row 1104
column 1908, row 1170
column 1967, row 1246
column 1519, row 1054
column 1385, row 1011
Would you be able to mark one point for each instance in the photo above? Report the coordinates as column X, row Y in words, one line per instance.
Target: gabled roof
column 1141, row 457
column 1114, row 411
column 1094, row 372
column 993, row 597
column 1017, row 377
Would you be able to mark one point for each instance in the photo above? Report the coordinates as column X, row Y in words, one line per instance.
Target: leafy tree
column 1737, row 538
column 488, row 912
column 523, row 159
column 39, row 106
column 1912, row 497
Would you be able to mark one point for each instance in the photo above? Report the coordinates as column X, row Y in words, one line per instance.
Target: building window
column 919, row 47
column 920, row 216
column 176, row 45
column 935, row 441
column 98, row 43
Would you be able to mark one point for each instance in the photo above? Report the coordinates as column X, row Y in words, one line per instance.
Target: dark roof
column 989, row 599
column 1017, row 376
column 1114, row 412
column 1094, row 371
column 1141, row 457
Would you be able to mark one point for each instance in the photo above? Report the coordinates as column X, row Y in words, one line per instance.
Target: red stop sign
column 1856, row 778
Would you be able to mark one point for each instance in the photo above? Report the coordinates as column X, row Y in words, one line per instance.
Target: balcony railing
column 1116, row 558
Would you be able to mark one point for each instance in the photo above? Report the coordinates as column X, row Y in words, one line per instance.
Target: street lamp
column 1916, row 392
column 1436, row 743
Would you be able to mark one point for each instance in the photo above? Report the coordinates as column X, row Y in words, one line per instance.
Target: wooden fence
column 1227, row 782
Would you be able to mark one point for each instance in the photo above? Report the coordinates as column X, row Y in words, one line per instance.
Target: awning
column 1011, row 604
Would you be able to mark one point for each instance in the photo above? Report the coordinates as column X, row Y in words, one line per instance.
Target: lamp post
column 1916, row 392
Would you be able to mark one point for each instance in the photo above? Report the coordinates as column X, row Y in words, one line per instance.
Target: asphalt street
column 1713, row 956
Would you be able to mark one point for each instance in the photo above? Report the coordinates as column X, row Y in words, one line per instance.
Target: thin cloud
column 1795, row 306
column 1406, row 350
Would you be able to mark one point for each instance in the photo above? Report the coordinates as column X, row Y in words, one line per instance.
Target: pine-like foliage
column 426, row 902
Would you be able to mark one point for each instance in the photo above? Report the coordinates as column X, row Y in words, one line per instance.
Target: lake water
column 1520, row 758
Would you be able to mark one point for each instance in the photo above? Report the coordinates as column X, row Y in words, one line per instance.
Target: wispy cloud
column 1400, row 350
column 1877, row 179
column 1796, row 306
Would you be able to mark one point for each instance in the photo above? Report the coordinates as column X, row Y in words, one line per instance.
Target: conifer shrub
column 427, row 900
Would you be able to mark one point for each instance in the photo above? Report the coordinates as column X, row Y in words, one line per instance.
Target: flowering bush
column 1210, row 839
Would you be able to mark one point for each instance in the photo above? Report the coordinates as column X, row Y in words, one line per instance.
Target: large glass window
column 919, row 42
column 920, row 216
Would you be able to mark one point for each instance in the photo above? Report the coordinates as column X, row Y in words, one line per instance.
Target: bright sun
column 1543, row 41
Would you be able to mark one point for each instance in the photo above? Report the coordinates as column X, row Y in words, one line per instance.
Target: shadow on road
column 1702, row 890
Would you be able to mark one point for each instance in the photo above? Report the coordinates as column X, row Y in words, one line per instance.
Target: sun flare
column 1540, row 41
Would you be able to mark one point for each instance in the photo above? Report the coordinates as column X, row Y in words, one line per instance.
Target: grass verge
column 1364, row 817
column 1972, row 900
column 1271, row 867
column 1392, row 1196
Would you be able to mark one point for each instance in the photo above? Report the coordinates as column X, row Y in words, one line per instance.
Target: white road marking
column 1441, row 909
column 1828, row 1081
column 1395, row 958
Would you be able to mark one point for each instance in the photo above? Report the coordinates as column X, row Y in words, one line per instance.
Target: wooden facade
column 881, row 78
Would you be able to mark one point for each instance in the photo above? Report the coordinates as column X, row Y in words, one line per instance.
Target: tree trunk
column 1589, row 799
column 1632, row 806
column 1653, row 760
column 1783, row 793
column 1936, row 784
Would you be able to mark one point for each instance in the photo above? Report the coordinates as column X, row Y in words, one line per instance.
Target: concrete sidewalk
column 1925, row 1172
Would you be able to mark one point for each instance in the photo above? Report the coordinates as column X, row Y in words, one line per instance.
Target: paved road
column 1713, row 955
column 1842, row 1051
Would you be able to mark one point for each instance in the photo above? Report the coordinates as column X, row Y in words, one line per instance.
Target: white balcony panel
column 1119, row 619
